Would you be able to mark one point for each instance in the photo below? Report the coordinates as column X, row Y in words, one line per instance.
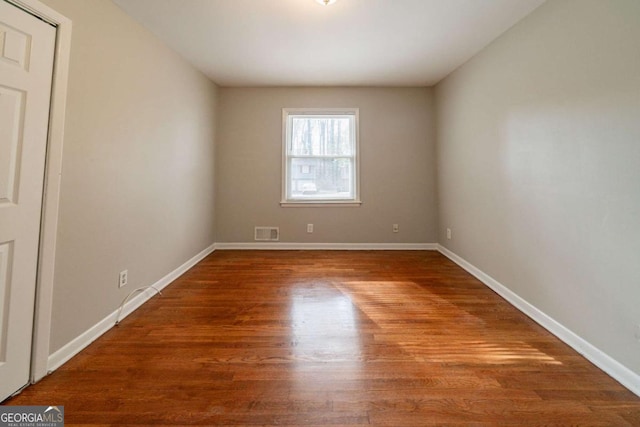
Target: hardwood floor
column 331, row 338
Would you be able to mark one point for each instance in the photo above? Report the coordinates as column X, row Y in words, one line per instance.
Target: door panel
column 6, row 251
column 14, row 46
column 12, row 117
column 26, row 61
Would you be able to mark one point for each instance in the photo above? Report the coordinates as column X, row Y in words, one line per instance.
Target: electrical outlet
column 309, row 228
column 396, row 228
column 448, row 234
column 123, row 278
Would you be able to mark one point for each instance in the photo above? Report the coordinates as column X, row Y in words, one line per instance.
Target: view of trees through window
column 321, row 136
column 320, row 157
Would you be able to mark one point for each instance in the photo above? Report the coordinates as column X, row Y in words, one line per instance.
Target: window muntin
column 320, row 156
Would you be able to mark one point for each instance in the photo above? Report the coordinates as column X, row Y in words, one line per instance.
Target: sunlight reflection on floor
column 326, row 338
column 434, row 317
column 324, row 325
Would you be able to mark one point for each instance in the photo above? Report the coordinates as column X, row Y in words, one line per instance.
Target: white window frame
column 285, row 201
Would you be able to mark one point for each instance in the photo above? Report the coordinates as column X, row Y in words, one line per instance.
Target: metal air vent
column 271, row 234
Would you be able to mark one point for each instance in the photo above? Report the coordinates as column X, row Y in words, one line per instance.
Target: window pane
column 321, row 178
column 321, row 136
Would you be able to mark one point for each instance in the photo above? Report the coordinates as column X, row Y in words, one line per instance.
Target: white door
column 26, row 61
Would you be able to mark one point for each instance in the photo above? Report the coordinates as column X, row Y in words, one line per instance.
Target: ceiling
column 349, row 43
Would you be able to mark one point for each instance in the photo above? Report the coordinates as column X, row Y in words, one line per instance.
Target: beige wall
column 397, row 166
column 539, row 166
column 138, row 172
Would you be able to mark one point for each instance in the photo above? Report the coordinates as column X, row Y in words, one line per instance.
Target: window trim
column 355, row 201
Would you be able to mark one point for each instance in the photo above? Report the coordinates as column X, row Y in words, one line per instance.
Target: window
column 320, row 157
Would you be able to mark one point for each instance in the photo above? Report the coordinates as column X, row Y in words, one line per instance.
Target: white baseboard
column 61, row 356
column 328, row 246
column 612, row 367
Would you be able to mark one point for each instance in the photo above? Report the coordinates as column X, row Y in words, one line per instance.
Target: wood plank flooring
column 331, row 338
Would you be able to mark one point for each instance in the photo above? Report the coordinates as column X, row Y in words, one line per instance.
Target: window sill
column 321, row 204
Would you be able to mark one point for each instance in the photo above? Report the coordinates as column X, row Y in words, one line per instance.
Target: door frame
column 51, row 191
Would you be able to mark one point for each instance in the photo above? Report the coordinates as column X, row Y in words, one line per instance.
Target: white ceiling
column 349, row 43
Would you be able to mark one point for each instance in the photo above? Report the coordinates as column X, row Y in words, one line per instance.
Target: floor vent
column 271, row 234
